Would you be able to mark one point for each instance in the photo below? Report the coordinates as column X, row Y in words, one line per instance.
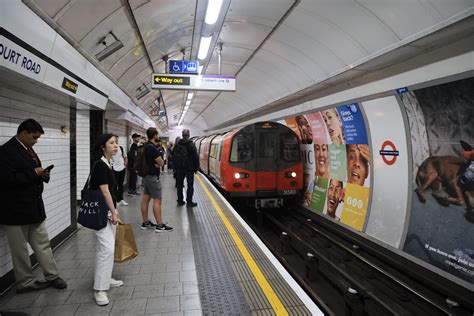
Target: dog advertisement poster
column 441, row 225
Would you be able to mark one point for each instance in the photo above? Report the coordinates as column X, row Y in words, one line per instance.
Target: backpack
column 140, row 165
column 180, row 157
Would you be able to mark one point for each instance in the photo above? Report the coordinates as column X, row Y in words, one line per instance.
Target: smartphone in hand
column 48, row 168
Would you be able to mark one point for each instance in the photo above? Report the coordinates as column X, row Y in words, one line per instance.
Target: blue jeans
column 180, row 175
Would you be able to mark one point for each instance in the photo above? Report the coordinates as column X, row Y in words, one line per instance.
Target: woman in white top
column 119, row 162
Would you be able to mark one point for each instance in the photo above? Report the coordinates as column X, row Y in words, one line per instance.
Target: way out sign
column 193, row 82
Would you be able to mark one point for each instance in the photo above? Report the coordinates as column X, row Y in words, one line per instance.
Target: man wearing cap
column 131, row 156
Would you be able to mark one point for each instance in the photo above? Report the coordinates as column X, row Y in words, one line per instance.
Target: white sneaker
column 115, row 283
column 101, row 298
column 122, row 203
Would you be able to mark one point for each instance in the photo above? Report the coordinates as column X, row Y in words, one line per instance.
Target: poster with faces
column 341, row 162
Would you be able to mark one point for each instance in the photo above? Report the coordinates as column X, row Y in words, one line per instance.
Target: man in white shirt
column 119, row 162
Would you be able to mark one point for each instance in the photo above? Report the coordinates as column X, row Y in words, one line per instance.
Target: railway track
column 343, row 275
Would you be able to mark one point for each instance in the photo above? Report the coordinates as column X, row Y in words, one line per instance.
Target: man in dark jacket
column 186, row 162
column 22, row 210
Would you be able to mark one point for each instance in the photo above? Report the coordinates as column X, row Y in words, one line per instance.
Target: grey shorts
column 152, row 186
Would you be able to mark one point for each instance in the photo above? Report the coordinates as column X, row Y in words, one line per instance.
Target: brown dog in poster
column 439, row 172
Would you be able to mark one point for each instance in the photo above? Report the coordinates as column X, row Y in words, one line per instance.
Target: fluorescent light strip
column 213, row 10
column 204, row 47
column 200, row 69
column 190, row 95
column 188, row 102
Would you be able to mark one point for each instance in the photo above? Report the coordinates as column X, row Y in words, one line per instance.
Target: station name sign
column 193, row 82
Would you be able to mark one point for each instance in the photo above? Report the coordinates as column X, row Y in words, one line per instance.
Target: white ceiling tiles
column 316, row 41
column 321, row 38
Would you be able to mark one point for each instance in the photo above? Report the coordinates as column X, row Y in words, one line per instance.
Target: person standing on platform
column 22, row 211
column 131, row 158
column 102, row 178
column 169, row 155
column 151, row 182
column 119, row 163
column 186, row 162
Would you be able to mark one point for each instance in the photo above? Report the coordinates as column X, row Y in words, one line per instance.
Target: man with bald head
column 186, row 163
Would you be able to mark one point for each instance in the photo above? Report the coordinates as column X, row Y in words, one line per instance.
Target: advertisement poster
column 318, row 201
column 441, row 226
column 353, row 124
column 355, row 206
column 318, row 128
column 337, row 161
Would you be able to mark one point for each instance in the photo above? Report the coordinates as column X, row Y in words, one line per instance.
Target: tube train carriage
column 259, row 163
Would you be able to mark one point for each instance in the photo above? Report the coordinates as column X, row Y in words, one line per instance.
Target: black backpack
column 140, row 165
column 180, row 157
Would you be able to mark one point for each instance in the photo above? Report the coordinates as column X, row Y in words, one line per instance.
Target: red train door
column 266, row 160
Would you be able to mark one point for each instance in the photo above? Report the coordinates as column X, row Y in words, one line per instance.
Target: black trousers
column 119, row 176
column 132, row 180
column 180, row 175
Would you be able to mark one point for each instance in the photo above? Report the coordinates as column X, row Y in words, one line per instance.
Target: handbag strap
column 87, row 184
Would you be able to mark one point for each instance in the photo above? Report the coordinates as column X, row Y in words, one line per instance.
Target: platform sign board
column 193, row 82
column 183, row 66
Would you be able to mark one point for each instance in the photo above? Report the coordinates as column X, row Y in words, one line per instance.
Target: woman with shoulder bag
column 102, row 177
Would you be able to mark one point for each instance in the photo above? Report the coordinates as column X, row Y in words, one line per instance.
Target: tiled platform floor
column 160, row 281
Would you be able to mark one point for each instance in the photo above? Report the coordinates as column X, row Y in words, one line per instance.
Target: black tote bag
column 93, row 209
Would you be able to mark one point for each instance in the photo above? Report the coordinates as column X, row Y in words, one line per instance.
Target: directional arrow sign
column 193, row 82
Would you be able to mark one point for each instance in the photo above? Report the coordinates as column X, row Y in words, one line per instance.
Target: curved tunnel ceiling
column 276, row 48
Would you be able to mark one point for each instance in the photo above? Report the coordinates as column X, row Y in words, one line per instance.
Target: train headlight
column 290, row 174
column 241, row 175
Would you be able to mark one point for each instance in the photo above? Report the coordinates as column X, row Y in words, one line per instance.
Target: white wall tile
column 51, row 111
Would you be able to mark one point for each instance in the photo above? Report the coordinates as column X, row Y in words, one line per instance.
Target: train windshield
column 267, row 145
column 289, row 147
column 242, row 148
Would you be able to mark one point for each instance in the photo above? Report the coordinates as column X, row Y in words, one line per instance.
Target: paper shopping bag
column 125, row 246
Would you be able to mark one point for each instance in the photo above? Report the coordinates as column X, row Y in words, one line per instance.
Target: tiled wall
column 119, row 128
column 83, row 149
column 51, row 110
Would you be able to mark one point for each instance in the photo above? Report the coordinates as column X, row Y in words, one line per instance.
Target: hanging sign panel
column 183, row 66
column 193, row 82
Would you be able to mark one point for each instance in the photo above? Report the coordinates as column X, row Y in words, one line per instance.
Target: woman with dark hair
column 102, row 177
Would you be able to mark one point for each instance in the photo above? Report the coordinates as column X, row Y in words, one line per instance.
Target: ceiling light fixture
column 190, row 95
column 204, row 47
column 200, row 69
column 213, row 10
column 110, row 49
column 188, row 102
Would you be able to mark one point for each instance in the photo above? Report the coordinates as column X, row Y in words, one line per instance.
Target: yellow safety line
column 261, row 280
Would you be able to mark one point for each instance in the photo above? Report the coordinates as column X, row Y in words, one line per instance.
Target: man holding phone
column 23, row 212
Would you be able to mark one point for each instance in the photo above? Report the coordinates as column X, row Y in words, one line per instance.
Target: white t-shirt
column 118, row 161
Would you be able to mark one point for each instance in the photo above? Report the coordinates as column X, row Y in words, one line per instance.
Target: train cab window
column 267, row 145
column 289, row 147
column 242, row 148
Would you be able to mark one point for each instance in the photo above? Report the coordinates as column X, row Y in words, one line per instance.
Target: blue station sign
column 183, row 66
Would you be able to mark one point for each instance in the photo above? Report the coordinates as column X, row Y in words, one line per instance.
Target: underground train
column 260, row 163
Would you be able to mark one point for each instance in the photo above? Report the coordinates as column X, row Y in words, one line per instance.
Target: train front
column 264, row 165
